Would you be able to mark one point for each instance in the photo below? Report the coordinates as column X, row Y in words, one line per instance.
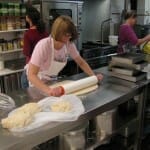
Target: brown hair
column 62, row 26
column 130, row 14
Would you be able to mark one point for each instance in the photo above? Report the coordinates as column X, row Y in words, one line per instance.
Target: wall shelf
column 6, row 71
column 15, row 30
column 11, row 51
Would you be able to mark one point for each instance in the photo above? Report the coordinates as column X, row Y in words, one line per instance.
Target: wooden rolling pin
column 79, row 85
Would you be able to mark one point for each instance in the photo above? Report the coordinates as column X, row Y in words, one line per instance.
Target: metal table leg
column 141, row 111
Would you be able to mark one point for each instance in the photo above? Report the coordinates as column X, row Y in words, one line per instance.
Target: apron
column 54, row 68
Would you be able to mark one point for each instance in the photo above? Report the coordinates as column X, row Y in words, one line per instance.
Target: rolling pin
column 79, row 84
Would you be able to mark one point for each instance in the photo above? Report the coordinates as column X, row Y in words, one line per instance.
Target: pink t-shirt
column 42, row 54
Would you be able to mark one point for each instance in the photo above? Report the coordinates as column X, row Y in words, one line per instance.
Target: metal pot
column 74, row 139
column 105, row 124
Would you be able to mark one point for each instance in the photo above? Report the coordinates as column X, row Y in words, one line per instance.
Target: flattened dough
column 85, row 91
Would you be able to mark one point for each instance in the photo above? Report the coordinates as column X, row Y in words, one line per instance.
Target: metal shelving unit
column 11, row 51
column 9, row 71
column 10, row 75
column 122, row 125
column 15, row 30
column 10, row 81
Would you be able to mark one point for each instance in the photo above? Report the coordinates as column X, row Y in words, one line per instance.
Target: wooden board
column 80, row 92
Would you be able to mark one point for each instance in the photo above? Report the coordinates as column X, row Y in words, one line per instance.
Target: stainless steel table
column 110, row 94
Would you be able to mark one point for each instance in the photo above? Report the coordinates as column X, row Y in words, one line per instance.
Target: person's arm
column 34, row 79
column 85, row 67
column 132, row 37
column 73, row 52
column 145, row 39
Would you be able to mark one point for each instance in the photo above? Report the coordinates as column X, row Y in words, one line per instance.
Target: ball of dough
column 30, row 108
column 17, row 120
column 22, row 117
column 61, row 106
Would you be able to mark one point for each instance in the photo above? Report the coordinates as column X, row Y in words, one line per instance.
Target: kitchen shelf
column 121, row 125
column 123, row 122
column 9, row 71
column 98, row 143
column 11, row 51
column 15, row 30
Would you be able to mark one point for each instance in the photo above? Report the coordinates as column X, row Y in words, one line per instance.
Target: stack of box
column 128, row 66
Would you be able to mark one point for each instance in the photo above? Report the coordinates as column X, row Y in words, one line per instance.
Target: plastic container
column 11, row 9
column 10, row 23
column 10, row 45
column 3, row 25
column 0, row 9
column 23, row 23
column 17, row 9
column 23, row 10
column 17, row 23
column 3, row 44
column 1, row 65
column 113, row 40
column 74, row 139
column 105, row 124
column 4, row 9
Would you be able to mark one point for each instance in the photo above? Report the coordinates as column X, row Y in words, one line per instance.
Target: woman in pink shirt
column 50, row 55
column 127, row 35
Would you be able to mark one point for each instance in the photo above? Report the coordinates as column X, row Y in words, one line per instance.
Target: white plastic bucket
column 113, row 40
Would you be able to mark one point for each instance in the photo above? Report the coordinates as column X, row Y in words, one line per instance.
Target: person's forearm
column 145, row 39
column 140, row 41
column 38, row 83
column 86, row 68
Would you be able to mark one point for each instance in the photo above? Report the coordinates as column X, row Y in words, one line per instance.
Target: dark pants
column 24, row 80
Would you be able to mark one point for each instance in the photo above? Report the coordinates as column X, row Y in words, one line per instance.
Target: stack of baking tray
column 128, row 66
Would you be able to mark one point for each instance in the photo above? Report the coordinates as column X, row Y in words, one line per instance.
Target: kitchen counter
column 111, row 93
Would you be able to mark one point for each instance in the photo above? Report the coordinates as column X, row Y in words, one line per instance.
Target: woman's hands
column 148, row 37
column 99, row 76
column 58, row 91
